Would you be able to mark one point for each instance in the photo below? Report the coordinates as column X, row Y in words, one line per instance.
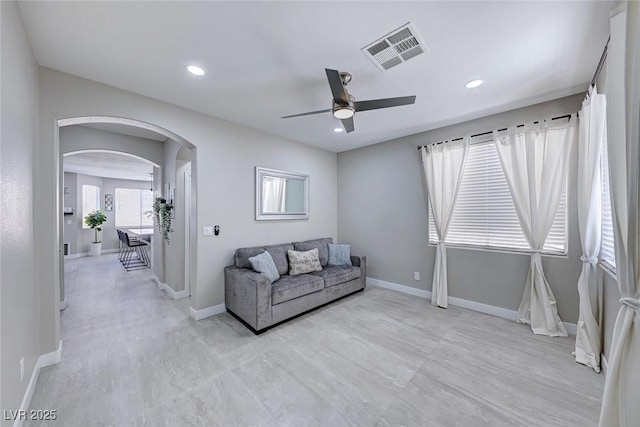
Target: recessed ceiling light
column 338, row 130
column 194, row 69
column 473, row 83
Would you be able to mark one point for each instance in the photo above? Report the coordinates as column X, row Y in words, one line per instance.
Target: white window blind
column 131, row 205
column 484, row 216
column 607, row 247
column 90, row 201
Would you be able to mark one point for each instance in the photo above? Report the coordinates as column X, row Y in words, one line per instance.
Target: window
column 607, row 247
column 90, row 201
column 485, row 217
column 132, row 205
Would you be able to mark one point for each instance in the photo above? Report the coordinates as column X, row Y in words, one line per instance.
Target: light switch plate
column 207, row 231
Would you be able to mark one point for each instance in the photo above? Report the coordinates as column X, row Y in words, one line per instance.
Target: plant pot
column 95, row 249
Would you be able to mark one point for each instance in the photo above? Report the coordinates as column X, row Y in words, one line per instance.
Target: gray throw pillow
column 303, row 262
column 339, row 254
column 263, row 263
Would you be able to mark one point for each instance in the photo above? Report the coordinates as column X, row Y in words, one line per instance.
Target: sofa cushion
column 335, row 275
column 263, row 263
column 303, row 262
column 321, row 244
column 243, row 255
column 339, row 254
column 290, row 287
column 279, row 255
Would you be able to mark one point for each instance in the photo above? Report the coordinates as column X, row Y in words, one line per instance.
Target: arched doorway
column 178, row 144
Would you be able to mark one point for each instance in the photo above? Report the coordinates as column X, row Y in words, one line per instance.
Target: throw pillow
column 263, row 263
column 303, row 262
column 339, row 254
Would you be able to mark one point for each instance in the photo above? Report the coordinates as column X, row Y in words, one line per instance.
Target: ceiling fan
column 345, row 105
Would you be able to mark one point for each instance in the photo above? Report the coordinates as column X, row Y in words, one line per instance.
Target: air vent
column 395, row 48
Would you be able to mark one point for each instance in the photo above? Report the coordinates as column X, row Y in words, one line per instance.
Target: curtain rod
column 601, row 63
column 566, row 116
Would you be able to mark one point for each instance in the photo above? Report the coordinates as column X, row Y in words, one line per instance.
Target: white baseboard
column 207, row 312
column 86, row 254
column 52, row 358
column 505, row 313
column 63, row 304
column 43, row 361
column 572, row 328
column 604, row 365
column 169, row 290
column 459, row 302
column 400, row 288
column 78, row 255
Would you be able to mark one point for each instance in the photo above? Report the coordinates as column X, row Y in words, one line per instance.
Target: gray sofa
column 252, row 298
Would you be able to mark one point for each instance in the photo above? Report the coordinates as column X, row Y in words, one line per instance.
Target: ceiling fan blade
column 348, row 124
column 374, row 104
column 306, row 114
column 337, row 89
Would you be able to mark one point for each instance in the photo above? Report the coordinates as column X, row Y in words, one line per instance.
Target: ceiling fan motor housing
column 344, row 111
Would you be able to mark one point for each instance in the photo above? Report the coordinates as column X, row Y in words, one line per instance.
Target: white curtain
column 274, row 195
column 443, row 165
column 591, row 143
column 620, row 406
column 535, row 159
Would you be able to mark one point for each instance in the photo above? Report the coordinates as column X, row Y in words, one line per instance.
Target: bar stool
column 133, row 247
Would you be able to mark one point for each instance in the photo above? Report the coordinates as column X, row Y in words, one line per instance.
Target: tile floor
column 133, row 357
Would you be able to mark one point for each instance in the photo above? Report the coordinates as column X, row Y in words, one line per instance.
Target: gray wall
column 179, row 241
column 173, row 258
column 382, row 212
column 19, row 303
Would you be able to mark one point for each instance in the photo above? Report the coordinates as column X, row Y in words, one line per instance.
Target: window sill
column 609, row 270
column 502, row 250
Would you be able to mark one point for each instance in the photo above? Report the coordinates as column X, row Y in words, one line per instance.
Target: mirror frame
column 260, row 214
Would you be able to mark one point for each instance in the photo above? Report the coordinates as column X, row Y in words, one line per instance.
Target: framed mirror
column 281, row 195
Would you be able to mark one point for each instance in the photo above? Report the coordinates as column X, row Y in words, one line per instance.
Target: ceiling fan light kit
column 345, row 105
column 343, row 111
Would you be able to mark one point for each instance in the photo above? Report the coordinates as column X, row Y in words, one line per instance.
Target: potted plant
column 94, row 220
column 163, row 216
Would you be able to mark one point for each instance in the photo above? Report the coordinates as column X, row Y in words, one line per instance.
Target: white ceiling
column 267, row 59
column 108, row 164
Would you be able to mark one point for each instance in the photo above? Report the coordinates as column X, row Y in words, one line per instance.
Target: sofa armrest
column 248, row 295
column 360, row 261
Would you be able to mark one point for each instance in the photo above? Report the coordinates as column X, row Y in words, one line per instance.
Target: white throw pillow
column 303, row 262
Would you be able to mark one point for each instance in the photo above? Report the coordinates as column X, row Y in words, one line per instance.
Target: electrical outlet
column 22, row 369
column 207, row 231
column 416, row 275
